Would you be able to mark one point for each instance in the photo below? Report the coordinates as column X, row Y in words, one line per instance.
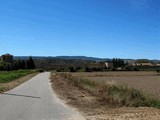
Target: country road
column 35, row 100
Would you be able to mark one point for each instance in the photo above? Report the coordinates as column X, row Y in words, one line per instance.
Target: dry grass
column 75, row 96
column 115, row 95
column 146, row 81
column 115, row 73
column 94, row 104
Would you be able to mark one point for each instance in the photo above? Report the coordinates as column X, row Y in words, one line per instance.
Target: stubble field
column 146, row 81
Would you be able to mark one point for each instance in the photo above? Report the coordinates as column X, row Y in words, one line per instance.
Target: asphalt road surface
column 35, row 100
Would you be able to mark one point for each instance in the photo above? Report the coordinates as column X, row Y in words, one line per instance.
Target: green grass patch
column 9, row 76
column 114, row 95
column 2, row 89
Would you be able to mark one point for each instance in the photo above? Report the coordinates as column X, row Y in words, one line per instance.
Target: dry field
column 93, row 108
column 146, row 81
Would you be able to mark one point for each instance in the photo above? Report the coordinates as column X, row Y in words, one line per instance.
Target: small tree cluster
column 17, row 64
column 118, row 62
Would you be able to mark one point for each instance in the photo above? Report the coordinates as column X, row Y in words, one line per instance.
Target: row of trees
column 79, row 69
column 17, row 64
column 117, row 62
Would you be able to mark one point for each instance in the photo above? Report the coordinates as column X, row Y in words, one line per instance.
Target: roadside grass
column 114, row 95
column 9, row 76
column 11, row 79
column 1, row 88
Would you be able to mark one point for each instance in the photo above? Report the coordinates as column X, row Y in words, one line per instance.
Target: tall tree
column 118, row 62
column 30, row 63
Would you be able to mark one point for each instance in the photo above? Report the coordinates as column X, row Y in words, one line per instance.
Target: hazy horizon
column 86, row 57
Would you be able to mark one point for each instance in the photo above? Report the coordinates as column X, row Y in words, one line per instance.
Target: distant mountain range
column 82, row 58
column 63, row 57
column 75, row 57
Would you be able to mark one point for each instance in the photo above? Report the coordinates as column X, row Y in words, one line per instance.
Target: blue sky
column 98, row 28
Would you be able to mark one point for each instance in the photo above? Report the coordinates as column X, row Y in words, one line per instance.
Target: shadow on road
column 21, row 95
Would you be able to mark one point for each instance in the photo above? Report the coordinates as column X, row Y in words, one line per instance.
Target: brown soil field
column 146, row 81
column 90, row 106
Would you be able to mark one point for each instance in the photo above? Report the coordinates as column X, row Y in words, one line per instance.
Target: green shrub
column 8, row 76
column 135, row 69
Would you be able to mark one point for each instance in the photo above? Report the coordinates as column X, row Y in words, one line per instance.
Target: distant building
column 147, row 64
column 109, row 64
column 158, row 64
column 119, row 68
column 142, row 64
column 136, row 64
column 7, row 58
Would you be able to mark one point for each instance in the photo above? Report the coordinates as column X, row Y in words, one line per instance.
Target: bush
column 127, row 68
column 40, row 70
column 71, row 69
column 158, row 70
column 135, row 69
column 87, row 69
column 113, row 69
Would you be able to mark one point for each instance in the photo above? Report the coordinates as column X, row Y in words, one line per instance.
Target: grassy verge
column 12, row 75
column 11, row 79
column 114, row 95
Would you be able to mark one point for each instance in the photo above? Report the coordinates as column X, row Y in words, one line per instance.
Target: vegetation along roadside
column 94, row 99
column 11, row 79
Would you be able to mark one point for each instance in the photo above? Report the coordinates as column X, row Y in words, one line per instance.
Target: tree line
column 17, row 64
column 117, row 62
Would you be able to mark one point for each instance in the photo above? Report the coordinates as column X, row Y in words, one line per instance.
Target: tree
column 158, row 70
column 23, row 64
column 71, row 69
column 2, row 66
column 87, row 69
column 30, row 63
column 19, row 64
column 8, row 67
column 143, row 61
column 135, row 69
column 118, row 62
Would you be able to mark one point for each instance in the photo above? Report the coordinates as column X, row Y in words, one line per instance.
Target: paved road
column 35, row 100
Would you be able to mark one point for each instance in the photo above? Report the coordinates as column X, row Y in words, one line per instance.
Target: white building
column 109, row 64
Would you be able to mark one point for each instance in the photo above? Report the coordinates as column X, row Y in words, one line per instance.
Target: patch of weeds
column 114, row 95
column 88, row 82
column 78, row 80
column 1, row 89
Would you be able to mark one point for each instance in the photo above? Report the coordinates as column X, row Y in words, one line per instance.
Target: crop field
column 146, row 81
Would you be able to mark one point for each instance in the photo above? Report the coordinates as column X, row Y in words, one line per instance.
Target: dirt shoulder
column 10, row 85
column 93, row 108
